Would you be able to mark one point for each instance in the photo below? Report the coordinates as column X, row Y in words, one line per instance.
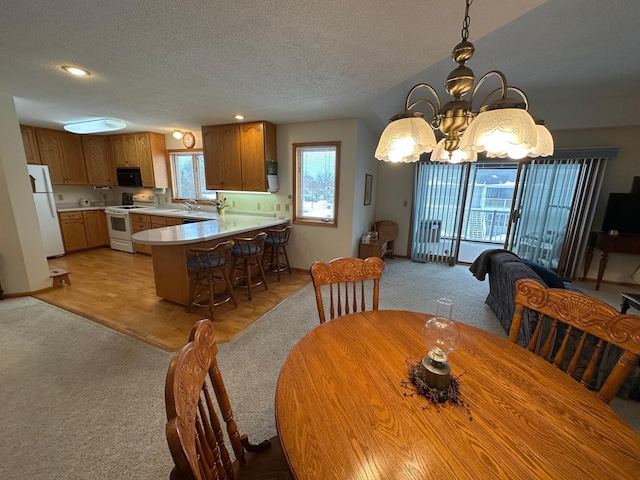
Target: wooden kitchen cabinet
column 258, row 144
column 94, row 148
column 235, row 155
column 62, row 152
column 140, row 223
column 30, row 144
column 73, row 232
column 95, row 228
column 152, row 159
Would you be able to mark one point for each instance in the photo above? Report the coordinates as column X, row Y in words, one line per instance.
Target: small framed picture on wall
column 368, row 186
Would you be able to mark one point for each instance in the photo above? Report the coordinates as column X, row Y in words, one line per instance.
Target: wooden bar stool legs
column 249, row 253
column 210, row 266
column 275, row 245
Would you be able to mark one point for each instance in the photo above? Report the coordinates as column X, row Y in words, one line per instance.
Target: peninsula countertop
column 224, row 226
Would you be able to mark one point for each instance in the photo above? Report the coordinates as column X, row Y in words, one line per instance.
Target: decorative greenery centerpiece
column 417, row 384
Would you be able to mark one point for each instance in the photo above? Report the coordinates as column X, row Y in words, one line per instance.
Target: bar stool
column 275, row 249
column 210, row 266
column 249, row 252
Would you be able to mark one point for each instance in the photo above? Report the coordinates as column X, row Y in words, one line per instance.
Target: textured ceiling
column 160, row 65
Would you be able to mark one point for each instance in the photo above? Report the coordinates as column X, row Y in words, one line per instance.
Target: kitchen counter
column 223, row 226
column 170, row 247
column 78, row 208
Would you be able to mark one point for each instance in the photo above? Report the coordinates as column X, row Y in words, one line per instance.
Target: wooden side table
column 609, row 244
column 375, row 248
column 629, row 300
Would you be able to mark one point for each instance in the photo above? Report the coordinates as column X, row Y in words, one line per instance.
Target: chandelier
column 502, row 126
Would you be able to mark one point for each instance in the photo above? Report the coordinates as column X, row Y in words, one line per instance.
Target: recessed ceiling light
column 77, row 71
column 239, row 117
column 95, row 126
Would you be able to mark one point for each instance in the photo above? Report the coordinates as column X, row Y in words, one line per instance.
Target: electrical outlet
column 405, row 203
column 277, row 207
column 259, row 206
column 286, row 207
column 60, row 197
column 233, row 203
column 271, row 207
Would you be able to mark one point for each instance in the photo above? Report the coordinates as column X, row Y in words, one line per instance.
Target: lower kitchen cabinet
column 95, row 227
column 73, row 234
column 83, row 229
column 139, row 223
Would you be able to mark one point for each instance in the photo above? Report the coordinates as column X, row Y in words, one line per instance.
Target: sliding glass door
column 541, row 209
column 438, row 196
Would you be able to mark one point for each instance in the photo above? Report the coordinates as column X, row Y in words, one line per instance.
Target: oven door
column 119, row 226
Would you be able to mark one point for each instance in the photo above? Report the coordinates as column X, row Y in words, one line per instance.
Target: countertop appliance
column 46, row 210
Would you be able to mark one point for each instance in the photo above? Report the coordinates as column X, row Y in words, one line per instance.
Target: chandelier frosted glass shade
column 405, row 139
column 544, row 147
column 439, row 154
column 504, row 131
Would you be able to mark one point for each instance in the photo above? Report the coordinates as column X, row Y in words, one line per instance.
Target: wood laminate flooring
column 117, row 290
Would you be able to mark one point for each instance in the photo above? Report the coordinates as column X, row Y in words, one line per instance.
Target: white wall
column 23, row 262
column 319, row 243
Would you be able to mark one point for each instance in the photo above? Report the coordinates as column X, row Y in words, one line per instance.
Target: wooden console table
column 374, row 248
column 609, row 244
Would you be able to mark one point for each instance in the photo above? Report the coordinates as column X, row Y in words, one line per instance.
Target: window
column 187, row 175
column 316, row 184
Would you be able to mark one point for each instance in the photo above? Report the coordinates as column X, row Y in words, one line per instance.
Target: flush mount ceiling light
column 77, row 71
column 239, row 117
column 502, row 125
column 95, row 126
column 177, row 134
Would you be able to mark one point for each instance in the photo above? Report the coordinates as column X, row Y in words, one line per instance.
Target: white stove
column 119, row 222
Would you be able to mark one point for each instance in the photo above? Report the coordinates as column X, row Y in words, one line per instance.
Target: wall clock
column 188, row 140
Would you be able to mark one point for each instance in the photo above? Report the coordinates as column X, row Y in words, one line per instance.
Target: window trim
column 170, row 169
column 297, row 202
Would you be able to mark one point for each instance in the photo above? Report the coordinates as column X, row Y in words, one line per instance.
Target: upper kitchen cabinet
column 62, row 152
column 30, row 144
column 152, row 159
column 235, row 155
column 146, row 150
column 96, row 160
column 221, row 144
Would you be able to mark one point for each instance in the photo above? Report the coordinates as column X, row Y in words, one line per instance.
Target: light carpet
column 82, row 401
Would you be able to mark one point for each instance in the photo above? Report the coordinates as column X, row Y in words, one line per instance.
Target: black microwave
column 129, row 177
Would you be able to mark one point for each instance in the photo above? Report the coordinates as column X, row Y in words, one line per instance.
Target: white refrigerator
column 47, row 212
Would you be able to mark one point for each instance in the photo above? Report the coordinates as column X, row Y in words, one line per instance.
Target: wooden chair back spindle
column 572, row 318
column 195, row 431
column 350, row 278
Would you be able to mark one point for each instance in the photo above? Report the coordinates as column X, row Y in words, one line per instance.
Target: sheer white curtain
column 437, row 206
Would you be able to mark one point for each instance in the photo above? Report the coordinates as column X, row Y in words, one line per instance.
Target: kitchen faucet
column 195, row 203
column 190, row 207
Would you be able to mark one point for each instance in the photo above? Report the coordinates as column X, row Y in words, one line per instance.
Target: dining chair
column 194, row 394
column 577, row 333
column 345, row 278
column 209, row 267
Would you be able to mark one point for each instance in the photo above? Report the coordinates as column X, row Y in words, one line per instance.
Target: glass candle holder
column 441, row 337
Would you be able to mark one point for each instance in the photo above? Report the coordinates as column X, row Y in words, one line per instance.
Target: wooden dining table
column 344, row 410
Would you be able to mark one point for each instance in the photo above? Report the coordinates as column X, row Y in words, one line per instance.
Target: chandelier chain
column 466, row 22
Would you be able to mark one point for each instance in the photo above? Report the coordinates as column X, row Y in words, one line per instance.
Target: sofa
column 504, row 269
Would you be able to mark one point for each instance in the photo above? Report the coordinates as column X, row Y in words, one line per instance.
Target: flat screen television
column 623, row 213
